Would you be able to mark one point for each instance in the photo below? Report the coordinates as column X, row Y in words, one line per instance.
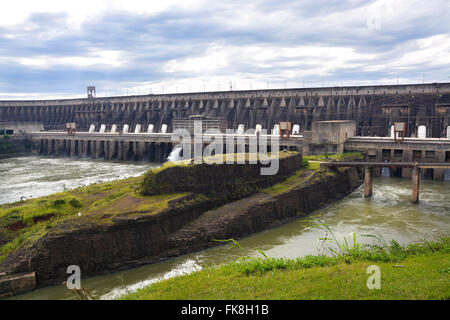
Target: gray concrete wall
column 373, row 108
column 21, row 127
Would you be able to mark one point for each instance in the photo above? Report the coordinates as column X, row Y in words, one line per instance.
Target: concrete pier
column 368, row 182
column 415, row 185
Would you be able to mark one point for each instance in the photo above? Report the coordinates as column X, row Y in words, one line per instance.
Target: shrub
column 75, row 203
column 304, row 162
column 59, row 202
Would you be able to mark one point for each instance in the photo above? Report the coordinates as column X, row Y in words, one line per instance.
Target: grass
column 294, row 180
column 346, row 156
column 416, row 271
column 222, row 158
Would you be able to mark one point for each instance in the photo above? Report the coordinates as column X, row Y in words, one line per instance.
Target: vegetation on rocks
column 23, row 222
column 227, row 181
column 6, row 146
column 346, row 156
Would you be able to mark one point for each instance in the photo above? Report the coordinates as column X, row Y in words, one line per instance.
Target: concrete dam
column 324, row 120
column 425, row 108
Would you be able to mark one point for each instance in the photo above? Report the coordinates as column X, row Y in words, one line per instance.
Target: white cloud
column 94, row 57
column 196, row 45
column 305, row 60
column 426, row 52
column 78, row 11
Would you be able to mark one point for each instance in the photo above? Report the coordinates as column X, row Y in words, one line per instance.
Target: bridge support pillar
column 120, row 151
column 57, row 147
column 138, row 150
column 368, row 182
column 35, row 146
column 415, row 185
column 112, row 149
column 72, row 148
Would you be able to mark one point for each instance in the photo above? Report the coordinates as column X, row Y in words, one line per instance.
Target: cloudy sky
column 53, row 49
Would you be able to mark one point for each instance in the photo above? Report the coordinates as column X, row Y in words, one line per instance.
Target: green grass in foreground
column 416, row 271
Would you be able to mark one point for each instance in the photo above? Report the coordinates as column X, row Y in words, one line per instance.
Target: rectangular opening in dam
column 417, row 155
column 429, row 155
column 386, row 154
column 398, row 154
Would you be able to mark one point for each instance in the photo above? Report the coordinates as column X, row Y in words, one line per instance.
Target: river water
column 39, row 176
column 388, row 213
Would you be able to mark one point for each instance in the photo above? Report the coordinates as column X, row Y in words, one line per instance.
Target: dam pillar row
column 56, row 147
column 84, row 144
column 35, row 146
column 112, row 149
column 106, row 150
column 72, row 147
column 415, row 185
column 97, row 149
column 368, row 182
column 138, row 150
column 119, row 151
column 125, row 150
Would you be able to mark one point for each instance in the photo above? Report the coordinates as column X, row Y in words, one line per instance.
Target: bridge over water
column 136, row 146
column 386, row 151
column 369, row 166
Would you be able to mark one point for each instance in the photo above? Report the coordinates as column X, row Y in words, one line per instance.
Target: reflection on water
column 33, row 177
column 388, row 213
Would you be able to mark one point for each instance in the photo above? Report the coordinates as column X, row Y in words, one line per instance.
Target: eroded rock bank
column 189, row 224
column 262, row 211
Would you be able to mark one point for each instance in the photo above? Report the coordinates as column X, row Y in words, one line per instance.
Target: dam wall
column 373, row 108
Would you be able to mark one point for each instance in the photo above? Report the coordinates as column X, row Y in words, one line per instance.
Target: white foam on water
column 32, row 177
column 186, row 267
column 175, row 155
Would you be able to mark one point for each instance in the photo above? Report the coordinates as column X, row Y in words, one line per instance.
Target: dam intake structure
column 425, row 108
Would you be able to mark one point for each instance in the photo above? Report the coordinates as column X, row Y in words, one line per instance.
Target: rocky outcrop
column 130, row 242
column 16, row 284
column 261, row 211
column 229, row 181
